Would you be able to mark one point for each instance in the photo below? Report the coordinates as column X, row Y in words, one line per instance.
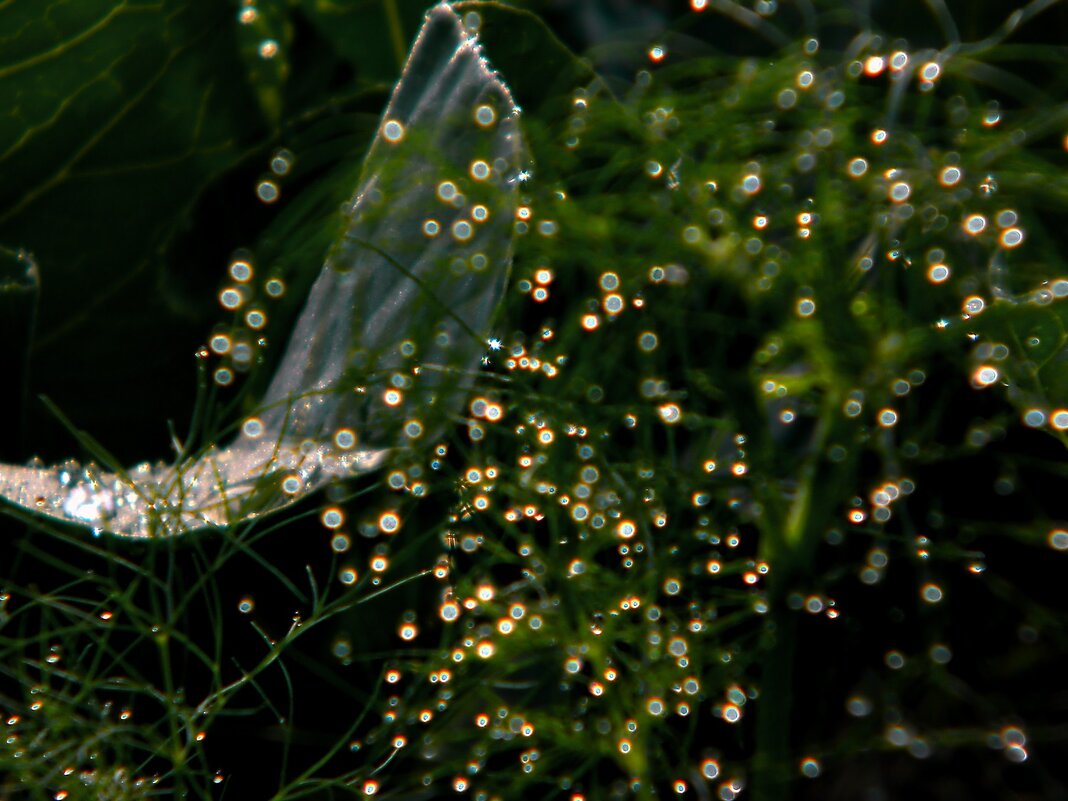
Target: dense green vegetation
column 759, row 495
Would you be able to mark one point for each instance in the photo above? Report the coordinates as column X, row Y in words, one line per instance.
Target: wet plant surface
column 757, row 490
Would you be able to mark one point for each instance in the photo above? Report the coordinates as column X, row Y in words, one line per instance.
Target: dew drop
column 281, row 162
column 462, row 230
column 899, row 192
column 240, row 270
column 447, row 191
column 252, row 428
column 810, row 768
column 485, row 116
column 332, row 518
column 389, row 522
column 874, row 65
column 267, row 191
column 984, row 376
column 930, row 71
column 938, row 273
column 393, row 131
column 345, row 438
column 1034, row 418
column 950, row 176
column 931, row 593
column 219, row 344
column 230, row 298
column 1012, row 237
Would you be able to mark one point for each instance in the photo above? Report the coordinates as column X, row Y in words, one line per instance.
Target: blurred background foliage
column 761, row 493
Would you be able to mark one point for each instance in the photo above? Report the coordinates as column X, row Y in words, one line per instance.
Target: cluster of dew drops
column 236, row 346
column 496, row 623
column 964, row 205
column 487, row 615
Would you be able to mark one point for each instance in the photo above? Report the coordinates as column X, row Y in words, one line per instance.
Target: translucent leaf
column 390, row 335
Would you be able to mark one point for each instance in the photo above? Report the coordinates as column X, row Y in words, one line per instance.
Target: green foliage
column 760, row 487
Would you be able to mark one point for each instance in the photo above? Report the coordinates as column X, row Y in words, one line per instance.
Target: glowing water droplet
column 252, row 428
column 984, row 376
column 1034, row 418
column 931, row 593
column 1012, row 237
column 240, row 270
column 267, row 191
column 938, row 273
column 485, row 116
column 332, row 518
column 219, row 344
column 282, row 162
column 447, row 191
column 950, row 176
column 900, row 191
column 230, row 298
column 462, row 230
column 393, row 131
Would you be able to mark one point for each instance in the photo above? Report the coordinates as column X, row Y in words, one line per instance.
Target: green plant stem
column 790, row 552
column 771, row 767
column 396, row 34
